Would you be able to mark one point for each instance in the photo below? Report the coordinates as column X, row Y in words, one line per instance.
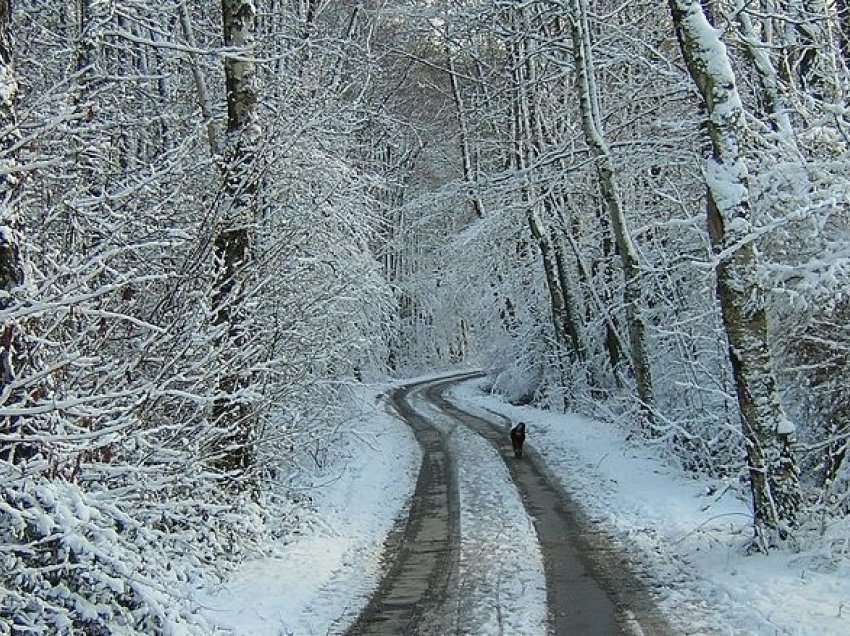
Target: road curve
column 589, row 588
column 411, row 596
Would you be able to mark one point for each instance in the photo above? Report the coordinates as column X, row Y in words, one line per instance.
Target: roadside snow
column 501, row 585
column 318, row 581
column 689, row 533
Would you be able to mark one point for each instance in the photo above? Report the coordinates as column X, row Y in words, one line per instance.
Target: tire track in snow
column 412, row 595
column 590, row 588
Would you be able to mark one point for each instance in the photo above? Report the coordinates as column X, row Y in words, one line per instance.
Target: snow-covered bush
column 78, row 561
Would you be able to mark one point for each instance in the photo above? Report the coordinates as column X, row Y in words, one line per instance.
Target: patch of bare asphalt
column 590, row 586
column 412, row 597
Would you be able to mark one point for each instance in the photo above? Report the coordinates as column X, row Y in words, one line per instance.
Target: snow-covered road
column 516, row 560
column 468, row 561
column 499, row 586
column 634, row 521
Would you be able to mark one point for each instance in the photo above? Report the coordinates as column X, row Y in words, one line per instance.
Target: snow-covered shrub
column 79, row 562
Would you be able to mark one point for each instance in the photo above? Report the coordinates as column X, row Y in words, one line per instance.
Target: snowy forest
column 219, row 219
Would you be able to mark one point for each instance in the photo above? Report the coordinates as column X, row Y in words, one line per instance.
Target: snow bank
column 689, row 533
column 317, row 581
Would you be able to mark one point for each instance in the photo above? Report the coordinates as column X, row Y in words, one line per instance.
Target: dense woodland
column 217, row 217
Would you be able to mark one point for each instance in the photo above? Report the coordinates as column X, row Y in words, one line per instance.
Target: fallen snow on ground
column 319, row 580
column 501, row 585
column 690, row 533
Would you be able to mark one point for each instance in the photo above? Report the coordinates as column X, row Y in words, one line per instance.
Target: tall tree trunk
column 772, row 93
column 523, row 131
column 594, row 136
column 545, row 138
column 567, row 318
column 89, row 143
column 570, row 318
column 232, row 243
column 774, row 474
column 469, row 177
column 562, row 304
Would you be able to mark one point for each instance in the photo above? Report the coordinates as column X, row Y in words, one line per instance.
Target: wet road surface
column 416, row 585
column 590, row 589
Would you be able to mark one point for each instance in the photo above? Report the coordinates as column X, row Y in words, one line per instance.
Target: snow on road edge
column 689, row 532
column 319, row 580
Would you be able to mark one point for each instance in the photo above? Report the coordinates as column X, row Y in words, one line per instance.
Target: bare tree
column 768, row 433
column 606, row 171
column 232, row 243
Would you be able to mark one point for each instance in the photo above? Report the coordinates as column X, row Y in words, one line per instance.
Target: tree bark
column 594, row 136
column 232, row 243
column 774, row 474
